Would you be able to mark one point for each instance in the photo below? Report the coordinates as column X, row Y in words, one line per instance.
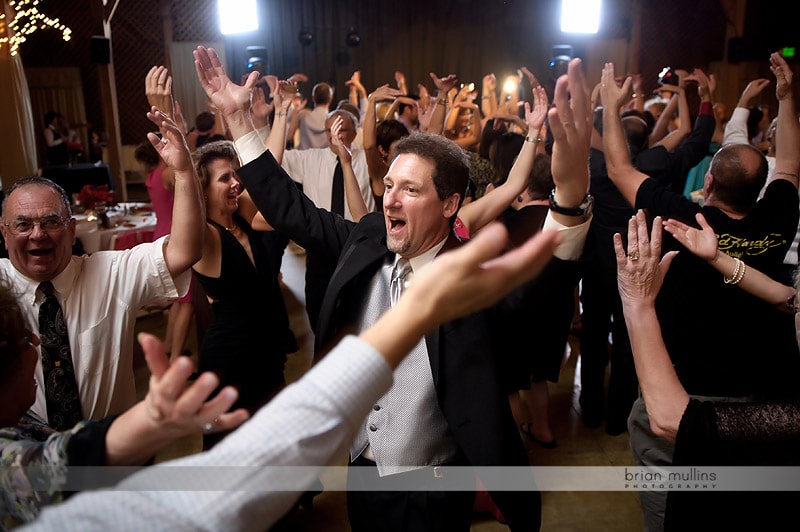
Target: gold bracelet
column 533, row 139
column 442, row 101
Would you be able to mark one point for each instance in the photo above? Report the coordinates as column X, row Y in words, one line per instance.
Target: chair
column 145, row 235
column 125, row 240
column 131, row 238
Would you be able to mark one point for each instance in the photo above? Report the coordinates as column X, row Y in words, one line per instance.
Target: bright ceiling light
column 580, row 16
column 237, row 16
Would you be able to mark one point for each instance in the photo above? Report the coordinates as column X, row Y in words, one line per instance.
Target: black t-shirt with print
column 723, row 341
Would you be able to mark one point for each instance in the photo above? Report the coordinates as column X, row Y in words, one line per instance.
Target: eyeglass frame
column 62, row 224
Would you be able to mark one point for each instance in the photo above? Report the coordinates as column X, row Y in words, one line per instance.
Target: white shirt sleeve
column 736, row 128
column 573, row 237
column 306, row 426
column 249, row 147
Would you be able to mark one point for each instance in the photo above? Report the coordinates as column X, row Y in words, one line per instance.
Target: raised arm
column 400, row 79
column 357, row 92
column 625, row 177
column 260, row 108
column 376, row 165
column 232, row 100
column 640, row 275
column 474, row 136
column 443, row 86
column 672, row 139
column 488, row 207
column 489, row 96
column 703, row 243
column 736, row 128
column 158, row 90
column 787, row 134
column 637, row 98
column 185, row 244
column 571, row 123
column 661, row 127
column 355, row 201
column 282, row 97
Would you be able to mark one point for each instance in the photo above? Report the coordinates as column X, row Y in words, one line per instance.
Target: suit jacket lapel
column 360, row 255
column 433, row 338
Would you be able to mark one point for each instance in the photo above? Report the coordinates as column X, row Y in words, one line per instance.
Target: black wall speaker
column 100, row 48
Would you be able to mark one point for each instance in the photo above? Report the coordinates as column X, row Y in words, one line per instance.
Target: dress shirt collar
column 62, row 283
column 420, row 261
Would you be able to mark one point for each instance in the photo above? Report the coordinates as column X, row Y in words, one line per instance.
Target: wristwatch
column 583, row 209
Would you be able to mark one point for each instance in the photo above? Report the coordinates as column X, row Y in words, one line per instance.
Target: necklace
column 231, row 229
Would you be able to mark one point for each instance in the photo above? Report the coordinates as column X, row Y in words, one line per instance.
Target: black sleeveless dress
column 249, row 336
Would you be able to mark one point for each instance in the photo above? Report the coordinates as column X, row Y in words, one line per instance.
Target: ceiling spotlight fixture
column 305, row 37
column 353, row 38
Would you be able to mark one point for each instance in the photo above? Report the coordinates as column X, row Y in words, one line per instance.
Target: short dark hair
column 637, row 130
column 450, row 162
column 401, row 106
column 204, row 121
column 49, row 116
column 735, row 183
column 146, row 154
column 388, row 131
column 540, row 180
column 211, row 151
column 502, row 154
column 13, row 331
column 40, row 181
column 488, row 135
column 321, row 93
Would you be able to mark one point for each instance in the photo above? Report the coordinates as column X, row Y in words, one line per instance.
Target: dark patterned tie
column 401, row 270
column 337, row 192
column 60, row 387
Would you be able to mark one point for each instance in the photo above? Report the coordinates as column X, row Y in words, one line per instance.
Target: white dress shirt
column 100, row 295
column 314, row 170
column 310, row 423
column 311, row 125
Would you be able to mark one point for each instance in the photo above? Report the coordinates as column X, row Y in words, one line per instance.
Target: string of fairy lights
column 26, row 19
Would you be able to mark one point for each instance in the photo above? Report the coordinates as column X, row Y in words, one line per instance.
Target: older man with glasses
column 84, row 308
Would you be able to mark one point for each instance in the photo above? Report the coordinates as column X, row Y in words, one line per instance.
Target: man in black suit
column 448, row 405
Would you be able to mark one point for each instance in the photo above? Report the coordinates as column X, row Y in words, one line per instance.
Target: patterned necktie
column 401, row 270
column 337, row 192
column 60, row 387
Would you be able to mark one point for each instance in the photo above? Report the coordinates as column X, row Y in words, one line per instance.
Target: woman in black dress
column 249, row 336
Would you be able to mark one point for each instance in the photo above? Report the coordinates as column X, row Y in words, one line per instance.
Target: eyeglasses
column 49, row 224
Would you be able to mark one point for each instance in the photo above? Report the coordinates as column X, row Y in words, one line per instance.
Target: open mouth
column 396, row 225
column 40, row 252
